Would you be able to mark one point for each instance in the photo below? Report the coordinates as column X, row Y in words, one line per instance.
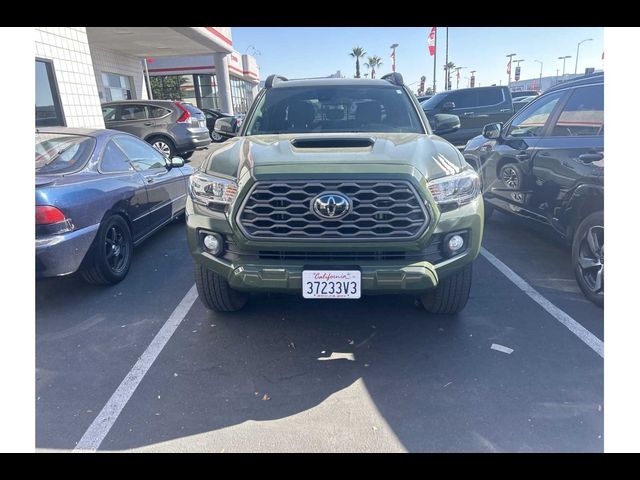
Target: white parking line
column 578, row 330
column 100, row 427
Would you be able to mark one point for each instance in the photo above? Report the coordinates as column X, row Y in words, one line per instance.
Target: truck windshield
column 334, row 109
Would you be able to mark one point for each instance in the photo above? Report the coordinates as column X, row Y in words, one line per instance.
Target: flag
column 393, row 55
column 509, row 67
column 431, row 41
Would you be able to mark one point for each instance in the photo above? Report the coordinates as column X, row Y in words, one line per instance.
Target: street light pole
column 578, row 53
column 393, row 49
column 539, row 81
column 509, row 57
column 564, row 59
column 473, row 73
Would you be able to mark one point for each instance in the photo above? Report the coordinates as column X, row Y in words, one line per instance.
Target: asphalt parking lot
column 287, row 374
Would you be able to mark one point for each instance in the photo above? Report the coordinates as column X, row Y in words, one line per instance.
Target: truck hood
column 431, row 155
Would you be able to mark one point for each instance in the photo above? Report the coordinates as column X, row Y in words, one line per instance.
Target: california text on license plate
column 331, row 283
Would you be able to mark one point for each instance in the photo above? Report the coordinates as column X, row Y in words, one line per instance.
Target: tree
column 167, row 88
column 358, row 53
column 447, row 68
column 373, row 63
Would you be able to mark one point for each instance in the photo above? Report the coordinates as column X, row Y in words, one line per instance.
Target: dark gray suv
column 173, row 128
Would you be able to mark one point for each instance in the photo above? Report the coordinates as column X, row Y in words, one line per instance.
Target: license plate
column 331, row 283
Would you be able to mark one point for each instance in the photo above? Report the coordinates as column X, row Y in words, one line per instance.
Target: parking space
column 286, row 374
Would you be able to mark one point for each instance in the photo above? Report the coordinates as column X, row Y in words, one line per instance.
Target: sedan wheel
column 215, row 136
column 110, row 257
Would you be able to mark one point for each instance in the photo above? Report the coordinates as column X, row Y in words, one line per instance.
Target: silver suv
column 173, row 128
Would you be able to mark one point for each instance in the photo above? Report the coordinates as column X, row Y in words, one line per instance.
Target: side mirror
column 492, row 131
column 445, row 123
column 175, row 162
column 227, row 126
column 448, row 106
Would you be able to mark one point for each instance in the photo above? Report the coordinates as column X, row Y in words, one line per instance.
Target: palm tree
column 358, row 53
column 374, row 62
column 448, row 67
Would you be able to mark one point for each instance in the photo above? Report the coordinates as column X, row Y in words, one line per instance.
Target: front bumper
column 380, row 276
column 63, row 254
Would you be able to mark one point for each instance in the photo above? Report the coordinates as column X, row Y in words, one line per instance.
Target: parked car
column 173, row 128
column 520, row 102
column 99, row 193
column 213, row 116
column 524, row 93
column 335, row 188
column 547, row 164
column 475, row 106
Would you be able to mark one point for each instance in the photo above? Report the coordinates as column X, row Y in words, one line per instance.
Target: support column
column 224, row 83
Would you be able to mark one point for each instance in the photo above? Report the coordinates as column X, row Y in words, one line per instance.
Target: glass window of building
column 117, row 87
column 48, row 106
column 208, row 91
column 188, row 90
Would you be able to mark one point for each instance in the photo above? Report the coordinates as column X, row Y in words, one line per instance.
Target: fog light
column 212, row 243
column 455, row 243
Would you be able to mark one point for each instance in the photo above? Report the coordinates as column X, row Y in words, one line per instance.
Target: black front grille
column 431, row 253
column 381, row 209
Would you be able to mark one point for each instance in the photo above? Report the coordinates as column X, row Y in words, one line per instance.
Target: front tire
column 216, row 294
column 451, row 294
column 110, row 257
column 587, row 254
column 215, row 136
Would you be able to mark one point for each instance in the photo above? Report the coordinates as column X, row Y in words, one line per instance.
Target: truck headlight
column 456, row 189
column 208, row 189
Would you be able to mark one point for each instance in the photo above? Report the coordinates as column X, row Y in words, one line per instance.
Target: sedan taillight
column 46, row 215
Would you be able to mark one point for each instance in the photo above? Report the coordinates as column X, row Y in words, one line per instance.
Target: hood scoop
column 333, row 142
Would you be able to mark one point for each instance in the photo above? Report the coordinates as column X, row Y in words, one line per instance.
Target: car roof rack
column 273, row 79
column 394, row 78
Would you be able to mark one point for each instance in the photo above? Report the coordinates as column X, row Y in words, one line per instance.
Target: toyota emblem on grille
column 331, row 205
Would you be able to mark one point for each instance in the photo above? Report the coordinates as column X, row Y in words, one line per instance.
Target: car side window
column 532, row 119
column 583, row 114
column 492, row 96
column 157, row 112
column 142, row 155
column 132, row 112
column 109, row 113
column 464, row 99
column 113, row 160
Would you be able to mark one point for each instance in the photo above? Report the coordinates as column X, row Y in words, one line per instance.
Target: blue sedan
column 99, row 193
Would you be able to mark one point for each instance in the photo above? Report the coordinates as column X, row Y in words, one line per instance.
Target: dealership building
column 78, row 68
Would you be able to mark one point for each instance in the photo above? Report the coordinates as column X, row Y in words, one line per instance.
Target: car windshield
column 433, row 101
column 62, row 153
column 346, row 108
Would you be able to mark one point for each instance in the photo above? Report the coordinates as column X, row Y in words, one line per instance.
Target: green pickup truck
column 333, row 189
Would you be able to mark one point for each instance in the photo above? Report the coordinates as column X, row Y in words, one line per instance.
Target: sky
column 320, row 51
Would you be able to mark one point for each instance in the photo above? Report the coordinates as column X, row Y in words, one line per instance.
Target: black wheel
column 451, row 294
column 110, row 257
column 587, row 253
column 512, row 176
column 187, row 155
column 216, row 294
column 216, row 137
column 163, row 145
